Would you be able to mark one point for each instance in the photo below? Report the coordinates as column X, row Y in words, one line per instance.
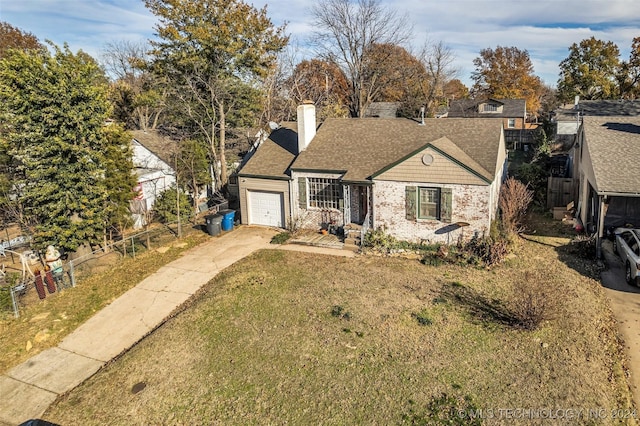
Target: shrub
column 530, row 305
column 489, row 250
column 379, row 239
column 515, row 198
column 281, row 238
column 583, row 246
column 165, row 208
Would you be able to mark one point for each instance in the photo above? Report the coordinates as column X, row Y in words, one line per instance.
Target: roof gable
column 474, row 108
column 435, row 164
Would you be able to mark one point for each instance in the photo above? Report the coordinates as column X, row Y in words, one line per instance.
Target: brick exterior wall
column 470, row 203
column 313, row 218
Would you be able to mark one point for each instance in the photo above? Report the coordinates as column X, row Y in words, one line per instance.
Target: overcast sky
column 545, row 28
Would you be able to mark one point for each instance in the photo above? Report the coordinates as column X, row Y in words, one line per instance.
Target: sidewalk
column 28, row 389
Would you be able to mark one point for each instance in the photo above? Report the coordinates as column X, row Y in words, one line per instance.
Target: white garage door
column 265, row 208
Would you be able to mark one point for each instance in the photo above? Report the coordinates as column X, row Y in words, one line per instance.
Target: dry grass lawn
column 44, row 323
column 294, row 338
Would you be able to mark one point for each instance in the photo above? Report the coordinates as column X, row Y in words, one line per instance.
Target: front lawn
column 297, row 338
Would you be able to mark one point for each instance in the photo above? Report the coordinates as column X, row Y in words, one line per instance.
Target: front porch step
column 351, row 241
column 352, row 230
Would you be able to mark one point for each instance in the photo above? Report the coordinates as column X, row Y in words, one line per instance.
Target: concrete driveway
column 625, row 303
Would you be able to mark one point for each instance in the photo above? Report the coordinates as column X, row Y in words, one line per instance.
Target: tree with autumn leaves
column 507, row 73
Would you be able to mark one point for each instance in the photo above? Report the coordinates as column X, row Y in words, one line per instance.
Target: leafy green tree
column 590, row 71
column 192, row 167
column 629, row 75
column 165, row 209
column 207, row 49
column 119, row 179
column 507, row 73
column 54, row 107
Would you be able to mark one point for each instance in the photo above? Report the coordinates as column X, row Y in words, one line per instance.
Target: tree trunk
column 223, row 159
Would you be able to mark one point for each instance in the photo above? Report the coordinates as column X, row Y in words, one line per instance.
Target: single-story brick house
column 419, row 182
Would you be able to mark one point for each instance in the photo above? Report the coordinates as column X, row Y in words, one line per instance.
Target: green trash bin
column 213, row 224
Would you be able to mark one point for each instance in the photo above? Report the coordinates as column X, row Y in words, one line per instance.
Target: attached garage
column 266, row 208
column 264, row 179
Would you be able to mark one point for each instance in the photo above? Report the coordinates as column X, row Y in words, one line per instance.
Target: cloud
column 545, row 28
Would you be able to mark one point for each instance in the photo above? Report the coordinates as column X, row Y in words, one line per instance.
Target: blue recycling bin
column 227, row 219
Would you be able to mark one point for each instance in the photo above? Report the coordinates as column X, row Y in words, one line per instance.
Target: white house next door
column 266, row 208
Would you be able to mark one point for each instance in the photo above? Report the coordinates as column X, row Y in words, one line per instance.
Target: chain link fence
column 18, row 289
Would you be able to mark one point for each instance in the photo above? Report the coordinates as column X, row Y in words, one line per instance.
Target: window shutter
column 411, row 202
column 302, row 192
column 445, row 204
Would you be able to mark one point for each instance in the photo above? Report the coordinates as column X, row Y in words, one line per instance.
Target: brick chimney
column 306, row 124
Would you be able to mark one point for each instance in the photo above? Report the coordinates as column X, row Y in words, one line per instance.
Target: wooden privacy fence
column 561, row 191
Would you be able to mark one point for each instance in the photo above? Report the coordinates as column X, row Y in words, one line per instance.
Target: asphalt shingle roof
column 362, row 147
column 274, row 156
column 614, row 147
column 468, row 108
column 162, row 146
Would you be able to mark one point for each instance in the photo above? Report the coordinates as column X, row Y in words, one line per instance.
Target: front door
column 359, row 203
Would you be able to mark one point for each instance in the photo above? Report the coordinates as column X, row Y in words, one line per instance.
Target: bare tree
column 347, row 30
column 139, row 96
column 438, row 60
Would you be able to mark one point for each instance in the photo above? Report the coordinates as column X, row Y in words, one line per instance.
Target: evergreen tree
column 208, row 50
column 119, row 178
column 54, row 107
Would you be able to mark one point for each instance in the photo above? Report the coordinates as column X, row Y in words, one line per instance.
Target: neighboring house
column 606, row 155
column 567, row 118
column 417, row 182
column 382, row 109
column 513, row 112
column 154, row 173
column 568, row 121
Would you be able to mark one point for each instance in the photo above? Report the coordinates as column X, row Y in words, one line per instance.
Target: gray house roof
column 161, row 146
column 614, row 148
column 360, row 148
column 274, row 156
column 468, row 108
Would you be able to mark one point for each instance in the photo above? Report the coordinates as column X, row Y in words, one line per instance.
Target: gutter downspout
column 291, row 201
column 600, row 230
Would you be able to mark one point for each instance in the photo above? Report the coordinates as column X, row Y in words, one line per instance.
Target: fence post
column 14, row 303
column 72, row 275
column 133, row 248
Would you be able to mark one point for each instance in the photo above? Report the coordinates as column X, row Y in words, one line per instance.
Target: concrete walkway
column 625, row 303
column 28, row 389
